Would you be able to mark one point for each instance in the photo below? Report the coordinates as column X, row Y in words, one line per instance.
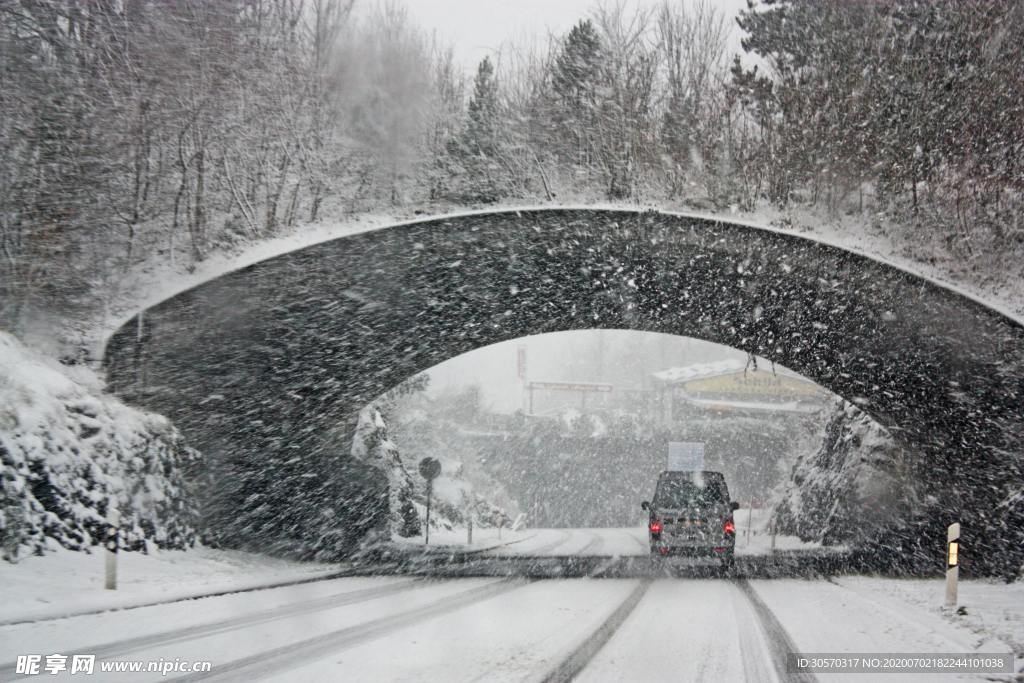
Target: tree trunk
column 198, row 221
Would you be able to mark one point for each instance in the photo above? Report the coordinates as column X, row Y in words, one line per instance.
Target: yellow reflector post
column 952, row 561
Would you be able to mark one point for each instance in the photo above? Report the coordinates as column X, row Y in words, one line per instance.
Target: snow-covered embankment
column 66, row 448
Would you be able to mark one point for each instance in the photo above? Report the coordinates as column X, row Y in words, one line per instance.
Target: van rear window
column 680, row 493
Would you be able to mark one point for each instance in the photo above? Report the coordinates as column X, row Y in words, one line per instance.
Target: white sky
column 476, row 28
column 570, row 356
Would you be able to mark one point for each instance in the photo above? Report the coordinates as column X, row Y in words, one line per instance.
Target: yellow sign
column 753, row 383
column 951, row 555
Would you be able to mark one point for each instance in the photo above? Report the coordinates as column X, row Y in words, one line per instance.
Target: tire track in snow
column 777, row 640
column 544, row 548
column 496, row 546
column 121, row 647
column 596, row 543
column 752, row 644
column 592, row 545
column 574, row 663
column 280, row 658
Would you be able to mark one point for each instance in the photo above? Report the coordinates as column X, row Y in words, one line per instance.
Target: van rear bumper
column 688, row 550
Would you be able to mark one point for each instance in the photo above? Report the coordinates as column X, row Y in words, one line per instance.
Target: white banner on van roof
column 685, row 456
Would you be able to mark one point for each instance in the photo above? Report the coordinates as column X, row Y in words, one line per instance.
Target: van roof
column 690, row 473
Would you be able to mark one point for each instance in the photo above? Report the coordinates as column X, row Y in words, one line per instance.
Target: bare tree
column 692, row 40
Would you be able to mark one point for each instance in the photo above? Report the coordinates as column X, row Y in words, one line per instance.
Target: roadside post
column 468, row 505
column 113, row 520
column 429, row 469
column 750, row 517
column 952, row 563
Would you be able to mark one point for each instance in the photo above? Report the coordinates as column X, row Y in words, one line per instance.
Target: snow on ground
column 994, row 609
column 533, row 542
column 222, row 629
column 685, row 631
column 602, row 542
column 753, row 535
column 66, row 582
column 403, row 628
column 500, row 639
column 832, row 617
column 457, row 538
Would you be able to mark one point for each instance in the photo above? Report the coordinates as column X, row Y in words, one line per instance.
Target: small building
column 552, row 398
column 734, row 387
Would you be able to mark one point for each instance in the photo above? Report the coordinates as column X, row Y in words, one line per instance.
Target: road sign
column 429, row 469
column 686, row 456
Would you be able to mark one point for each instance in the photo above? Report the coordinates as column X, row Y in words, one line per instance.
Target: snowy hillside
column 850, row 487
column 66, row 448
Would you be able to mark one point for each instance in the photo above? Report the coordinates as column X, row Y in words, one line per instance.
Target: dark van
column 691, row 515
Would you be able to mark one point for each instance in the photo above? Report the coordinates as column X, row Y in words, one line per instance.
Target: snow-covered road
column 404, row 629
column 751, row 539
column 577, row 542
column 619, row 543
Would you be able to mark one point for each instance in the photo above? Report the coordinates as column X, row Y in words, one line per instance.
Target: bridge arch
column 268, row 358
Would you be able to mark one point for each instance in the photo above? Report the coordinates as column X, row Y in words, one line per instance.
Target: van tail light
column 730, row 528
column 656, row 527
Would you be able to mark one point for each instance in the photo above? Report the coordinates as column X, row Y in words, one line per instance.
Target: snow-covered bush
column 455, row 498
column 852, row 486
column 372, row 445
column 66, row 449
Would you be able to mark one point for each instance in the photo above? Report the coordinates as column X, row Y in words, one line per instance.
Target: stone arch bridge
column 270, row 363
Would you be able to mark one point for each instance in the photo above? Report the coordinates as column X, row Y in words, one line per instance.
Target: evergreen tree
column 479, row 150
column 575, row 81
column 374, row 447
column 410, row 525
column 578, row 67
column 481, row 129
